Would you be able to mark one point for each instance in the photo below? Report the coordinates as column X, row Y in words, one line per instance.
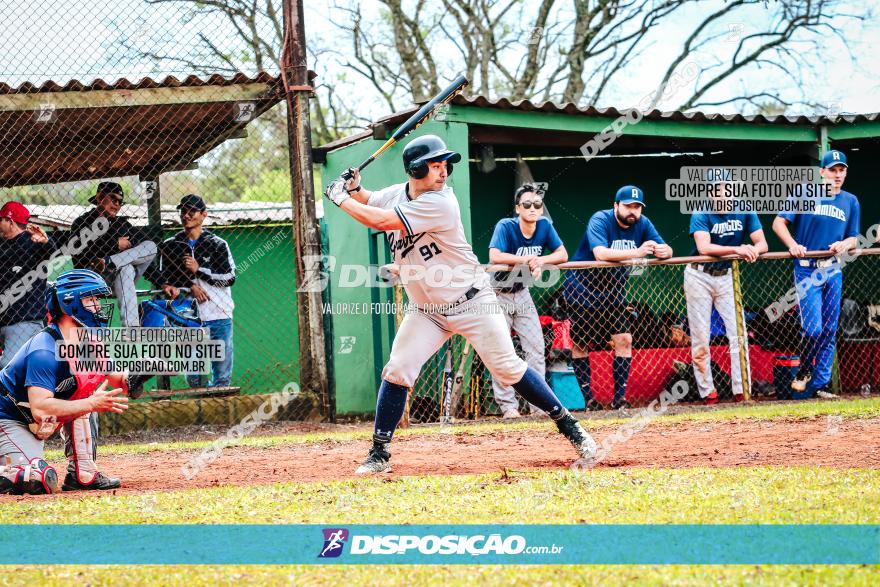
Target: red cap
column 15, row 212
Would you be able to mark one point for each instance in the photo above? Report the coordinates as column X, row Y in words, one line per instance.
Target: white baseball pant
column 703, row 291
column 480, row 320
column 522, row 316
column 19, row 445
column 131, row 263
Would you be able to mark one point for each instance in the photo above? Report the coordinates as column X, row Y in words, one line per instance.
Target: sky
column 61, row 40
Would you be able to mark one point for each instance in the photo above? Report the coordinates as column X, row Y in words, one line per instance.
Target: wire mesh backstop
column 159, row 100
column 671, row 344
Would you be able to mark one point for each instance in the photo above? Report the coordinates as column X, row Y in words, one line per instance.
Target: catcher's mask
column 69, row 295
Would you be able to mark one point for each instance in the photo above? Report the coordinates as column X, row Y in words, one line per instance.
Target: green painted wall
column 357, row 368
column 265, row 338
column 265, row 317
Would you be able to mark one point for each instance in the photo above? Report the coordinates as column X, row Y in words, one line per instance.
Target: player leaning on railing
column 524, row 242
column 596, row 300
column 834, row 227
column 422, row 223
column 708, row 285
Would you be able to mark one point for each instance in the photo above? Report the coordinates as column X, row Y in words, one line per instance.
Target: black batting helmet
column 427, row 148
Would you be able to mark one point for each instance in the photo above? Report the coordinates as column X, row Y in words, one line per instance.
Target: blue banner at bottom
column 440, row 544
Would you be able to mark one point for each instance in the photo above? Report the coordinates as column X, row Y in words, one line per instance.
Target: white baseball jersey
column 437, row 265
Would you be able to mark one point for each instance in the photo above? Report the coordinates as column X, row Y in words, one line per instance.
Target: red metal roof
column 145, row 83
column 53, row 133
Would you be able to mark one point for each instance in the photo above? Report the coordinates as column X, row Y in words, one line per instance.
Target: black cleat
column 100, row 482
column 577, row 436
column 378, row 461
column 802, row 379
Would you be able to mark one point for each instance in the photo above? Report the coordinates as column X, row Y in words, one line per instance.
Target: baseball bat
column 416, row 120
column 459, row 378
column 446, row 404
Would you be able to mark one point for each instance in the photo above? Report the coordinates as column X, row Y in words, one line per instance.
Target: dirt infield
column 820, row 441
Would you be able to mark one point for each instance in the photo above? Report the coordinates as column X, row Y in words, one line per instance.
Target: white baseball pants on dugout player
column 522, row 316
column 702, row 291
column 480, row 320
column 131, row 264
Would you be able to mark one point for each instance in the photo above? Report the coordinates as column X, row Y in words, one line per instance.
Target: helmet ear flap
column 418, row 171
column 52, row 304
column 448, row 168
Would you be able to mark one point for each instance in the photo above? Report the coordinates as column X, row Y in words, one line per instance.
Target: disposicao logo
column 334, row 540
column 443, row 545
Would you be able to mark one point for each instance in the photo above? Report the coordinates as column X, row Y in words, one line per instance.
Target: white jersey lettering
column 729, row 226
column 432, row 245
column 623, row 245
column 523, row 251
column 830, row 210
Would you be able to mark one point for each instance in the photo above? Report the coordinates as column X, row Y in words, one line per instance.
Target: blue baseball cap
column 630, row 194
column 832, row 158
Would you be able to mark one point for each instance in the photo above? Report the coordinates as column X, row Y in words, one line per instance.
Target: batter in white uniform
column 443, row 280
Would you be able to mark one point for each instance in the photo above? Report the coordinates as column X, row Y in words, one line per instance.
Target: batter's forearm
column 362, row 195
column 372, row 217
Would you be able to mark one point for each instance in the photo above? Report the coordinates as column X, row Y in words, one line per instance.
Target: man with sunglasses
column 596, row 298
column 523, row 243
column 202, row 261
column 121, row 255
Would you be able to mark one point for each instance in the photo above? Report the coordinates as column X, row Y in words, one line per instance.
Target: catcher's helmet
column 66, row 294
column 420, row 151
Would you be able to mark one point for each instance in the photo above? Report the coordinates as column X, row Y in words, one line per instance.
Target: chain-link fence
column 147, row 141
column 640, row 330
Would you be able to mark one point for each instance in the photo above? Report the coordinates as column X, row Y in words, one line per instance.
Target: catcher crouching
column 41, row 394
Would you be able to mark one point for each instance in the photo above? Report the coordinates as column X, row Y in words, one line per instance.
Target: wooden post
column 312, row 348
column 741, row 331
column 154, row 228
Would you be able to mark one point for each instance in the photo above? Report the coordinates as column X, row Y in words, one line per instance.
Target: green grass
column 855, row 408
column 628, row 496
column 746, row 495
column 446, row 576
column 642, row 496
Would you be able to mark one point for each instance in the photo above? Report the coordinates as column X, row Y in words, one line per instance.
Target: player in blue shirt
column 708, row 285
column 525, row 243
column 39, row 394
column 596, row 298
column 834, row 227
